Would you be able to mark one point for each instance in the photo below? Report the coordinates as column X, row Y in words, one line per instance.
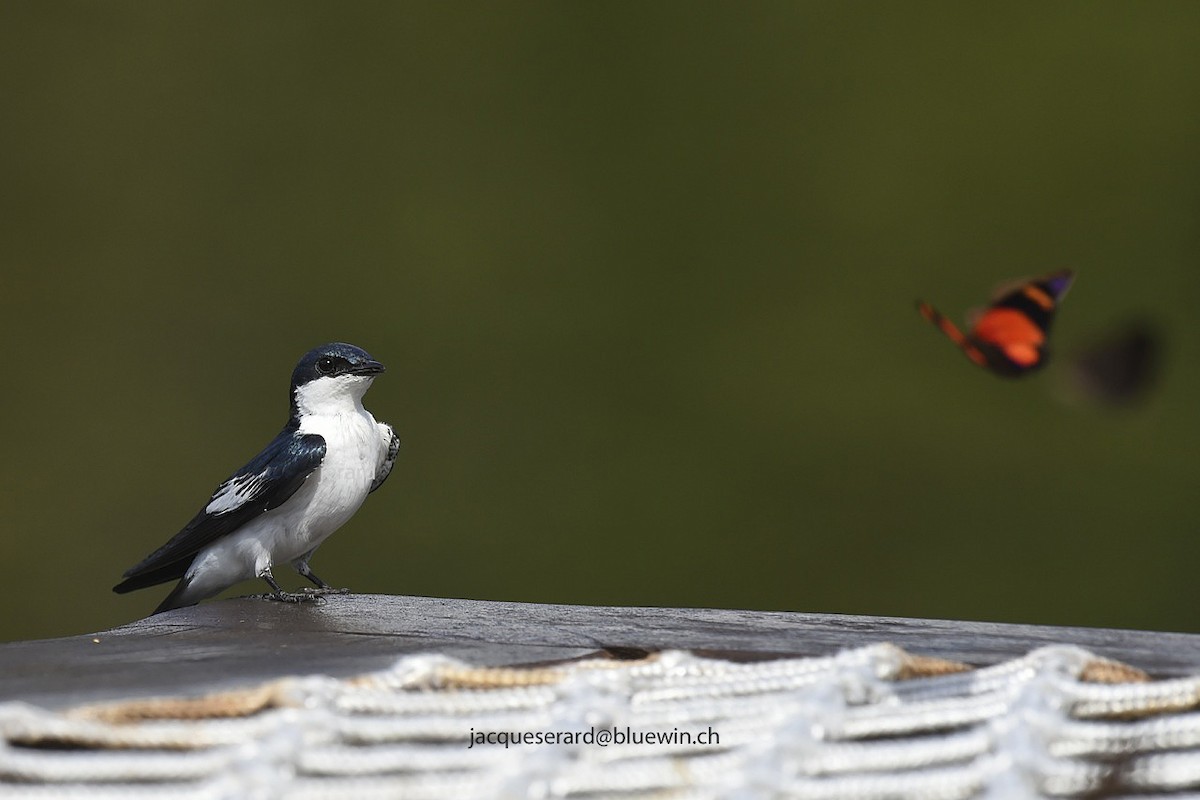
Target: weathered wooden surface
column 244, row 641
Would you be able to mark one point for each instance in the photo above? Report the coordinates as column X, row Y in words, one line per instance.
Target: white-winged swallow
column 282, row 505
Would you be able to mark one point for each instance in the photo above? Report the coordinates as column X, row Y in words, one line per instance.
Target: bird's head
column 332, row 378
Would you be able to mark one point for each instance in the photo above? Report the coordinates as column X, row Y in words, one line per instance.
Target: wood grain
column 243, row 641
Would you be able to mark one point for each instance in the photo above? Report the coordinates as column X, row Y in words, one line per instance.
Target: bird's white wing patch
column 234, row 493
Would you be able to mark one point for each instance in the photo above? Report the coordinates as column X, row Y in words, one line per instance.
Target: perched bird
column 1009, row 336
column 302, row 487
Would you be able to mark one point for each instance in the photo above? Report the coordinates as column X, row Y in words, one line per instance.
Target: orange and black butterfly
column 1009, row 336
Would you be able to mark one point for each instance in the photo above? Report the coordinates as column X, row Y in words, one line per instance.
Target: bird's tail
column 140, row 580
column 177, row 598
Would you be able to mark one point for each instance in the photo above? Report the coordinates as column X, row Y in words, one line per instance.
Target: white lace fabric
column 866, row 724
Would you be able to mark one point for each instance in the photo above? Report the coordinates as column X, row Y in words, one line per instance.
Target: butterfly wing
column 1121, row 368
column 1009, row 337
column 1013, row 330
column 952, row 332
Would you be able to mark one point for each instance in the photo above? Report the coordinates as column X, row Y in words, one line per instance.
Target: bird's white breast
column 336, row 489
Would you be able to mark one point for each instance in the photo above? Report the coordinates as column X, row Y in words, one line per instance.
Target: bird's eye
column 325, row 365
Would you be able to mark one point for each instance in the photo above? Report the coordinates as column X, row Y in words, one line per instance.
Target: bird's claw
column 290, row 597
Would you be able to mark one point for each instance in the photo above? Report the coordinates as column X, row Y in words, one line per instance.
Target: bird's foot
column 321, row 591
column 290, row 597
column 279, row 594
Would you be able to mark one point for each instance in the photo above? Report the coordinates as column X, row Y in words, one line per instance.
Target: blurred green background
column 643, row 275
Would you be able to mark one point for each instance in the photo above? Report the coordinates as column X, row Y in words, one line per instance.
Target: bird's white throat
column 333, row 396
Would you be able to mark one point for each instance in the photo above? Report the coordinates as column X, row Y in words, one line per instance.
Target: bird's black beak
column 367, row 368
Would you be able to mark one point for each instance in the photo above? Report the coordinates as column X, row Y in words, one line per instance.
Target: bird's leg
column 302, row 567
column 278, row 593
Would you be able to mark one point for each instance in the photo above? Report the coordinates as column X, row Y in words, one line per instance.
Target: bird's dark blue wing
column 265, row 483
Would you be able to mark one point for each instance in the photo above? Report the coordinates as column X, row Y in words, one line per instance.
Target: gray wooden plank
column 248, row 640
